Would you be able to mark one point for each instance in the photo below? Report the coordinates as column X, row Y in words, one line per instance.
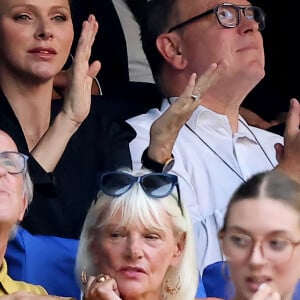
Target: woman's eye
column 22, row 17
column 278, row 244
column 59, row 18
column 240, row 240
column 115, row 234
column 152, row 236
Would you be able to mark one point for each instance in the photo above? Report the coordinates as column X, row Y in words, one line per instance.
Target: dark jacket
column 62, row 198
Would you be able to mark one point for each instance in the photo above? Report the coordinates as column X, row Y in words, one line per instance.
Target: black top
column 62, row 198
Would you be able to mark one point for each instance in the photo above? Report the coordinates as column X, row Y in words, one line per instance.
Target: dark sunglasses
column 229, row 16
column 155, row 185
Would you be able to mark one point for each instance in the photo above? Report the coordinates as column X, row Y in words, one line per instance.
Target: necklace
column 257, row 141
column 220, row 157
column 31, row 140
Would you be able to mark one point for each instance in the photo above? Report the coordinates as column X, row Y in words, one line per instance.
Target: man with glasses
column 15, row 195
column 216, row 149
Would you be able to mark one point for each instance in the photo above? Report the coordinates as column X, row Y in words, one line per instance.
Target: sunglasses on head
column 155, row 185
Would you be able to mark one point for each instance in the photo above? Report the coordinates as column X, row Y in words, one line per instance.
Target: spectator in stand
column 15, row 194
column 216, row 150
column 261, row 236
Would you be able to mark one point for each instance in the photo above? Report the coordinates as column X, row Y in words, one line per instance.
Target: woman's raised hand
column 165, row 129
column 78, row 94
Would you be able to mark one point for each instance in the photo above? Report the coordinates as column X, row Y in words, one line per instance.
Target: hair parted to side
column 135, row 206
column 155, row 22
column 270, row 184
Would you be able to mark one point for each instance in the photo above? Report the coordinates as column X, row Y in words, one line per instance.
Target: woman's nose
column 257, row 256
column 45, row 35
column 134, row 248
column 44, row 31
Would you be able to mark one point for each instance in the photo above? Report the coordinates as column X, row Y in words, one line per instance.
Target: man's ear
column 168, row 44
column 23, row 208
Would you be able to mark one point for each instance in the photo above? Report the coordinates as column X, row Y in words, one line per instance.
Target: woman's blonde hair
column 135, row 205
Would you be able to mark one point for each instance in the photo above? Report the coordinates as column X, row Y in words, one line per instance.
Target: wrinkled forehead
column 6, row 142
column 188, row 8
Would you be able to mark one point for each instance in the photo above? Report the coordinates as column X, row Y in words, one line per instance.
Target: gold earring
column 172, row 290
column 84, row 277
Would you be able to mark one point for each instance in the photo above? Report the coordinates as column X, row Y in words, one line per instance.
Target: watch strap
column 156, row 166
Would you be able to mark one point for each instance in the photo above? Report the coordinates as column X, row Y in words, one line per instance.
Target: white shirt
column 206, row 182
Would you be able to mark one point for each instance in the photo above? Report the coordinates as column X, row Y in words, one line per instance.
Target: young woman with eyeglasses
column 261, row 237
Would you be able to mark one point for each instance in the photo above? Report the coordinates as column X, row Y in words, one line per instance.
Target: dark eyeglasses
column 13, row 162
column 229, row 16
column 155, row 185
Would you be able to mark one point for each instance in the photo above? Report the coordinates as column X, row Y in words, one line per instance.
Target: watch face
column 168, row 165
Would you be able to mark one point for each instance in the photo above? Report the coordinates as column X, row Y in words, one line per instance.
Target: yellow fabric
column 9, row 286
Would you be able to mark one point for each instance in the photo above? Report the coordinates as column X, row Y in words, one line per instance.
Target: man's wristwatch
column 155, row 166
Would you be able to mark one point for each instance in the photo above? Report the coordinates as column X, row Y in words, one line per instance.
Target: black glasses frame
column 23, row 157
column 215, row 10
column 151, row 191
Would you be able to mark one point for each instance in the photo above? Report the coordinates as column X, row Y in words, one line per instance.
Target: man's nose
column 3, row 170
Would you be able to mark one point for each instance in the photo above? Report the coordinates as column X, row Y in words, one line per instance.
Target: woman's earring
column 96, row 87
column 84, row 277
column 172, row 290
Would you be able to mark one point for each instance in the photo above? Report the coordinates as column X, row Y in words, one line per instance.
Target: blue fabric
column 200, row 290
column 45, row 260
column 216, row 282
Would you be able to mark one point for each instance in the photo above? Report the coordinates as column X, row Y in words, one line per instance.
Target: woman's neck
column 31, row 104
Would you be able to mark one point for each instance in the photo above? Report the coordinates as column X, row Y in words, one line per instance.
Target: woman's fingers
column 101, row 287
column 266, row 292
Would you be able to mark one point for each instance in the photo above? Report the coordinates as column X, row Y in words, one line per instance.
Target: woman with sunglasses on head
column 261, row 237
column 137, row 240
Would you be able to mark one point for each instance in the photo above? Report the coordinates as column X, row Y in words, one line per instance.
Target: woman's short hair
column 271, row 184
column 135, row 204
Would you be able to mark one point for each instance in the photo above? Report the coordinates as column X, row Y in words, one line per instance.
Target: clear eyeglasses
column 229, row 16
column 13, row 162
column 276, row 248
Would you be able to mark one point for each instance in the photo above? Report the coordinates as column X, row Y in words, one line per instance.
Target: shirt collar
column 204, row 117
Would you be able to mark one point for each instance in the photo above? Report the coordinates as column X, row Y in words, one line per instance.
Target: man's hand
column 288, row 155
column 255, row 120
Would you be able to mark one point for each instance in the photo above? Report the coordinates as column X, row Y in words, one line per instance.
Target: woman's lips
column 43, row 52
column 253, row 283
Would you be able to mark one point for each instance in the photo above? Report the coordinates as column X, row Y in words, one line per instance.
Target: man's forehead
column 187, row 8
column 203, row 5
column 6, row 142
